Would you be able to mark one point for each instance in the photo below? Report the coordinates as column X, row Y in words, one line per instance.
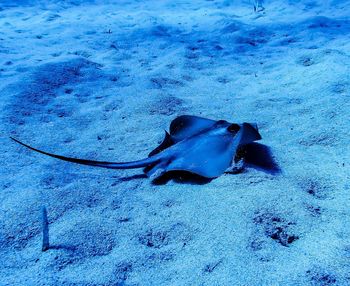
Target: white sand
column 102, row 81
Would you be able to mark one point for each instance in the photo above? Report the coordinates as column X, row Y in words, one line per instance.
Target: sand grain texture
column 102, row 81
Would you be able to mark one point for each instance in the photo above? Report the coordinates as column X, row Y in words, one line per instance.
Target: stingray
column 200, row 146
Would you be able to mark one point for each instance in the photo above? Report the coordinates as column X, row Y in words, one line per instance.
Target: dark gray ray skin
column 207, row 150
column 198, row 145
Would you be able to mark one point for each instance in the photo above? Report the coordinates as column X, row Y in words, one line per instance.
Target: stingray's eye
column 233, row 128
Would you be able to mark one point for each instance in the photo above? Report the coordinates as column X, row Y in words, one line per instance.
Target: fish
column 200, row 146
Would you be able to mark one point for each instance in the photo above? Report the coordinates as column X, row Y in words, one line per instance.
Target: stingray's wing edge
column 166, row 143
column 185, row 126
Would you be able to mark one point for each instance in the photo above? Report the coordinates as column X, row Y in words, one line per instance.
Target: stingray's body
column 197, row 145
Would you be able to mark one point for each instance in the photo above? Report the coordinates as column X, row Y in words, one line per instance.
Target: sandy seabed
column 103, row 80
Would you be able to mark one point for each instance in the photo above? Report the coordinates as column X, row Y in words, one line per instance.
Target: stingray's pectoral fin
column 103, row 164
column 186, row 126
column 167, row 142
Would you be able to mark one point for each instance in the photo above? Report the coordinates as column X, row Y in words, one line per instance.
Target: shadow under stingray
column 182, row 177
column 259, row 156
column 131, row 178
column 255, row 155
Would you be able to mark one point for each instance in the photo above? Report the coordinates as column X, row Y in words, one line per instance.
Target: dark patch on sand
column 318, row 277
column 82, row 241
column 177, row 233
column 167, row 105
column 316, row 187
column 306, row 61
column 276, row 228
column 122, row 271
column 163, row 82
column 42, row 87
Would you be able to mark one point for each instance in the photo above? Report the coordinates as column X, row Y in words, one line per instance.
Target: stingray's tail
column 111, row 165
